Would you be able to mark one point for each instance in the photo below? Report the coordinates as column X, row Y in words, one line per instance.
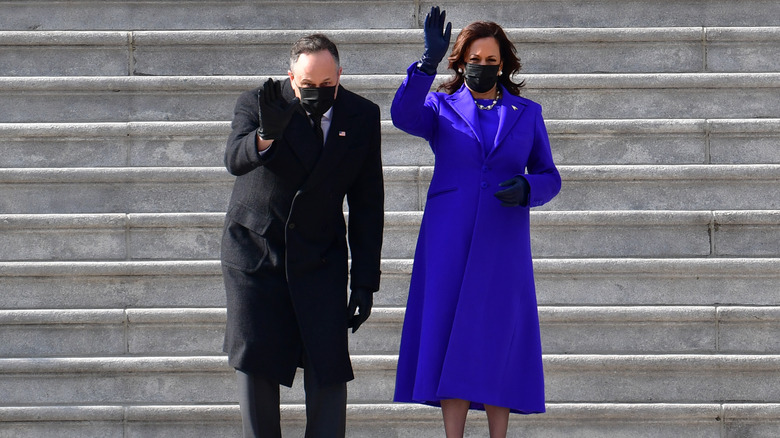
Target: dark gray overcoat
column 284, row 247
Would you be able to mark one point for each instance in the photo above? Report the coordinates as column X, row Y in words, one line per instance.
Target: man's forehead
column 318, row 61
column 314, row 76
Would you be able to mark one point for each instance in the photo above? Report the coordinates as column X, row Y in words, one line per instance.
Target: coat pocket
column 250, row 218
column 434, row 193
column 242, row 248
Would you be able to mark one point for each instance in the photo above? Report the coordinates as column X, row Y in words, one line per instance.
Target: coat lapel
column 509, row 113
column 301, row 137
column 335, row 144
column 464, row 106
column 303, row 142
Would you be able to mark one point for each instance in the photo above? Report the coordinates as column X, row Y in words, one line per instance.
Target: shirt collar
column 328, row 114
column 325, row 117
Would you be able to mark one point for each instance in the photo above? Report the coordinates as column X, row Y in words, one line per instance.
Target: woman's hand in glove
column 437, row 40
column 516, row 192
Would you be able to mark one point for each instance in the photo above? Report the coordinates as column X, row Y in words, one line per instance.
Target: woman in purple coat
column 471, row 333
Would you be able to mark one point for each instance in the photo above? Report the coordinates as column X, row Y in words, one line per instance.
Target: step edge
column 388, row 362
column 392, row 315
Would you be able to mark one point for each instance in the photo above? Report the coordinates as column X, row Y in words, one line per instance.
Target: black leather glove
column 437, row 40
column 362, row 299
column 275, row 112
column 516, row 192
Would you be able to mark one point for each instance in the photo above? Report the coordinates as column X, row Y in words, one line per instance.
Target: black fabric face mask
column 317, row 100
column 481, row 78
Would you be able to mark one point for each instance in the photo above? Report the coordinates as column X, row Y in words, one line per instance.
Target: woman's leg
column 498, row 420
column 454, row 412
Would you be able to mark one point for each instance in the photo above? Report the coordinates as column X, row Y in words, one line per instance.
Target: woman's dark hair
column 313, row 44
column 475, row 31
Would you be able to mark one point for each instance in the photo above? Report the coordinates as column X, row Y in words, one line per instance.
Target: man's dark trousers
column 259, row 401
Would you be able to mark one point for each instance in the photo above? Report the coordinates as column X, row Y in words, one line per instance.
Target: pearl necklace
column 489, row 107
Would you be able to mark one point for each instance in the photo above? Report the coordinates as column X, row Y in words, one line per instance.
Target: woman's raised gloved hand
column 437, row 40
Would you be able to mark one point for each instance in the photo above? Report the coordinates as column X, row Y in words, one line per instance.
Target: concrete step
column 574, row 142
column 383, row 51
column 342, row 14
column 643, row 378
column 197, row 236
column 207, row 189
column 134, row 144
column 563, row 96
column 559, row 282
column 565, row 330
column 383, row 420
column 620, row 234
column 73, row 190
column 710, row 187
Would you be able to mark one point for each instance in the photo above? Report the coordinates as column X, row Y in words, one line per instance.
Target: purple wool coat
column 471, row 329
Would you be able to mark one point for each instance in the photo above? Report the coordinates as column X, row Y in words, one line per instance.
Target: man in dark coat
column 298, row 147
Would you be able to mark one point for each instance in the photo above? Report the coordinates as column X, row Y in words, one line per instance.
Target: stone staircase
column 657, row 267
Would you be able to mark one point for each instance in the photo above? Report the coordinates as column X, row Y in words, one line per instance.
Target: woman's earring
column 460, row 70
column 500, row 72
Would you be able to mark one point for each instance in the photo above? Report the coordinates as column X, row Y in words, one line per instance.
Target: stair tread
column 175, row 83
column 388, row 13
column 600, row 265
column 397, row 411
column 392, row 218
column 395, row 314
column 197, row 174
column 578, row 361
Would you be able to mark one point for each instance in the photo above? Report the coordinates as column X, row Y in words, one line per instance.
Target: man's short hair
column 313, row 44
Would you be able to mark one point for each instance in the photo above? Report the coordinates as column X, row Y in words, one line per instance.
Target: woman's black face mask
column 481, row 78
column 318, row 100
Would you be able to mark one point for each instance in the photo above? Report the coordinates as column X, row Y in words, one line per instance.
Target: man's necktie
column 317, row 119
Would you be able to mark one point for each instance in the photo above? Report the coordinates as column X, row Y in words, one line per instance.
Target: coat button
column 484, row 185
column 291, row 226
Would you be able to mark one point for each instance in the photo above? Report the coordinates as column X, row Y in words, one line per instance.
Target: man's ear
column 292, row 83
column 338, row 82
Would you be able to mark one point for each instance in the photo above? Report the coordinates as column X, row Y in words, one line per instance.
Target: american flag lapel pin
column 342, row 133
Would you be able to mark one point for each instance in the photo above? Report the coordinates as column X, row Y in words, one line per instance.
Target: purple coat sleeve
column 541, row 173
column 412, row 111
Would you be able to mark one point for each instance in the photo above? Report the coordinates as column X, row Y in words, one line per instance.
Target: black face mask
column 481, row 78
column 317, row 100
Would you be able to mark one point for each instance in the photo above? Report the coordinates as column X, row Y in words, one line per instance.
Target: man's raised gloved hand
column 275, row 112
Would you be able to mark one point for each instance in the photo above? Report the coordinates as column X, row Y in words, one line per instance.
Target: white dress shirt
column 325, row 122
